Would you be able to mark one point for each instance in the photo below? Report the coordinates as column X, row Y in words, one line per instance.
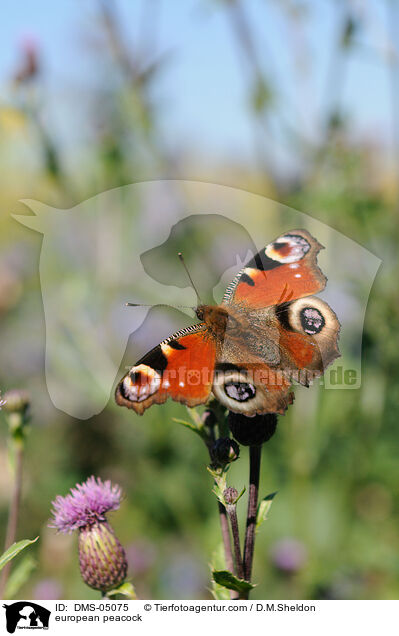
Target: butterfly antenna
column 180, row 255
column 159, row 305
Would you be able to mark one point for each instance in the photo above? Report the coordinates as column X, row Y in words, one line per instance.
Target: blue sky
column 203, row 89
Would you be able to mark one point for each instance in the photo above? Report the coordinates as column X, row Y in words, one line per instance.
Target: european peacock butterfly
column 267, row 332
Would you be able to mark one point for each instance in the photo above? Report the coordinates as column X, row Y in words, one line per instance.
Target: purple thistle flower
column 102, row 559
column 86, row 505
column 48, row 589
column 288, row 555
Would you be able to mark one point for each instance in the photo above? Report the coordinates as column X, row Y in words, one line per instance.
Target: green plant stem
column 12, row 523
column 232, row 512
column 228, row 554
column 254, row 473
column 224, row 524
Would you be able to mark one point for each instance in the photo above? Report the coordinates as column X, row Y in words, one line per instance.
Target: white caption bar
column 144, row 617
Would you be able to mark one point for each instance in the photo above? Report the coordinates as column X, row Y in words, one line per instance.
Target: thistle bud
column 224, row 451
column 102, row 559
column 16, row 401
column 252, row 431
column 230, row 496
column 16, row 404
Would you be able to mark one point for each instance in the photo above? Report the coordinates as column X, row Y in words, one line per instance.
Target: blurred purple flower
column 86, row 505
column 183, row 576
column 288, row 555
column 140, row 556
column 48, row 590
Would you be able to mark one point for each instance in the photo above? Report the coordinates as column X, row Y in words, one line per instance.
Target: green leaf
column 220, row 593
column 196, row 425
column 13, row 550
column 19, row 575
column 195, row 416
column 220, row 485
column 124, row 589
column 218, row 562
column 241, row 494
column 263, row 509
column 189, row 425
column 216, row 474
column 227, row 579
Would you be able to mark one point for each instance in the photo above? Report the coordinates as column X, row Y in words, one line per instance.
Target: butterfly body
column 266, row 333
column 216, row 318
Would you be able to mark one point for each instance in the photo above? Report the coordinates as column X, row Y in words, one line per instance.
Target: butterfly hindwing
column 309, row 331
column 285, row 270
column 293, row 342
column 181, row 367
column 252, row 389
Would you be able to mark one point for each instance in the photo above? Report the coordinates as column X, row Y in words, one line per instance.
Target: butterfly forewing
column 284, row 270
column 181, row 367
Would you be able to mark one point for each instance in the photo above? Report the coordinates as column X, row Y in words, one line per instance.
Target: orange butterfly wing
column 285, row 270
column 181, row 367
column 274, row 289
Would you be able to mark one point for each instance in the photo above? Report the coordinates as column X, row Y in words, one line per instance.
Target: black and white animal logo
column 26, row 615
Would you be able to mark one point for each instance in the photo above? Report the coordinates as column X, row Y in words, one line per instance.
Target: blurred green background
column 295, row 100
